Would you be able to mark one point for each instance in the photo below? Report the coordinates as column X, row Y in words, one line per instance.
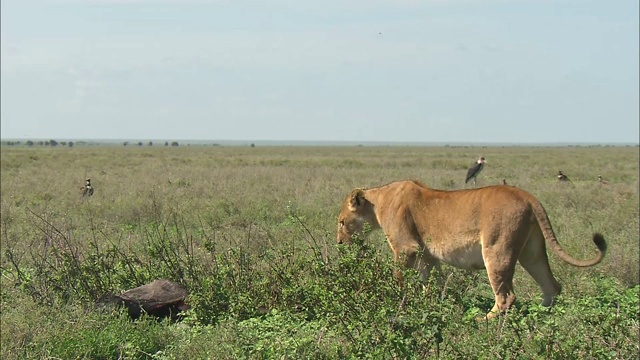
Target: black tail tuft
column 598, row 239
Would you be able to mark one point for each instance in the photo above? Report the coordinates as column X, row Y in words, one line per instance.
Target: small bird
column 602, row 181
column 475, row 170
column 87, row 189
column 562, row 177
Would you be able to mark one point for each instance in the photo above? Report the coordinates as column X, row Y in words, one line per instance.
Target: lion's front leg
column 425, row 264
column 408, row 252
column 397, row 258
column 421, row 262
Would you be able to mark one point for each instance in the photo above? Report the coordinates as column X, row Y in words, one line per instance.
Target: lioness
column 487, row 228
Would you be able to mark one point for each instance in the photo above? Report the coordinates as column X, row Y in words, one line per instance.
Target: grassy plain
column 251, row 233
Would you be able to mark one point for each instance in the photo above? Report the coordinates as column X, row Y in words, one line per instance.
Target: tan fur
column 488, row 228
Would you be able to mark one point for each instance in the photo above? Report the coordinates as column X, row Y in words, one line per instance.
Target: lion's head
column 356, row 211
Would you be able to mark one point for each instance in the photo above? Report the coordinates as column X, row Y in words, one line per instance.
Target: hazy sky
column 515, row 71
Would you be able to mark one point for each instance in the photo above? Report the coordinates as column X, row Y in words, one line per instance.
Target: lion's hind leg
column 535, row 261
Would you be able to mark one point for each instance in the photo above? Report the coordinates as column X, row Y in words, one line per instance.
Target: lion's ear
column 356, row 199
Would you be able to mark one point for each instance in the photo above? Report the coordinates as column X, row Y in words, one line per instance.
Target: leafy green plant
column 251, row 234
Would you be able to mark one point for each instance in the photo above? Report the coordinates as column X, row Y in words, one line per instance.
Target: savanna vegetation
column 251, row 233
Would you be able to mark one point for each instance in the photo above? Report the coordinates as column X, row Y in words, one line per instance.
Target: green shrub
column 251, row 234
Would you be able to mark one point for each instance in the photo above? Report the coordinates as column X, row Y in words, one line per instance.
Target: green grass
column 251, row 233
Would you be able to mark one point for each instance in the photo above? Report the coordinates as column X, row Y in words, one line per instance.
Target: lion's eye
column 341, row 222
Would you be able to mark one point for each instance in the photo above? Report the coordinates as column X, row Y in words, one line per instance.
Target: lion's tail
column 550, row 237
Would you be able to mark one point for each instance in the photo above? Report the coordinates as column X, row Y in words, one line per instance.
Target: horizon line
column 326, row 142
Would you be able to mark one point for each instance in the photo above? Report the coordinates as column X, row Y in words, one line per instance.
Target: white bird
column 475, row 170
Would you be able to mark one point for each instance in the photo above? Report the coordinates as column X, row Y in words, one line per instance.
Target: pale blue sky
column 517, row 71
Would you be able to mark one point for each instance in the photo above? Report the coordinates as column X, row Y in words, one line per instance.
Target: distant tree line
column 150, row 143
column 71, row 143
column 40, row 143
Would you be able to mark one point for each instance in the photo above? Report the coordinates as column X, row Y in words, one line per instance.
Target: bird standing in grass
column 87, row 189
column 602, row 181
column 562, row 177
column 474, row 171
